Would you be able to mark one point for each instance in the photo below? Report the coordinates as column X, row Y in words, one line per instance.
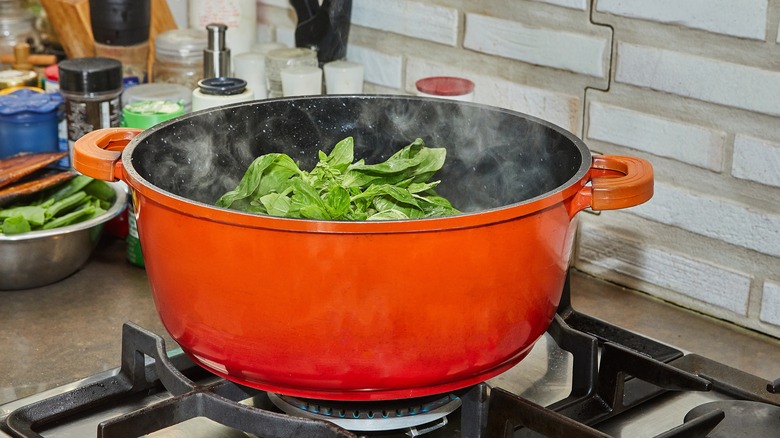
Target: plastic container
column 251, row 68
column 446, row 87
column 92, row 89
column 276, row 60
column 120, row 29
column 28, row 122
column 301, row 80
column 178, row 57
column 170, row 92
column 220, row 91
column 147, row 113
column 343, row 77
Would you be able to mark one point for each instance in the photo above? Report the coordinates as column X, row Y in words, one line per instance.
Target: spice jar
column 92, row 90
column 178, row 57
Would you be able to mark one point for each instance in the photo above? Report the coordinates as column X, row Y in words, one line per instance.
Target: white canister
column 251, row 68
column 343, row 77
column 240, row 16
column 301, row 80
column 446, row 87
column 213, row 92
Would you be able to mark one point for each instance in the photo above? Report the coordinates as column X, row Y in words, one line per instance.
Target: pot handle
column 98, row 154
column 616, row 182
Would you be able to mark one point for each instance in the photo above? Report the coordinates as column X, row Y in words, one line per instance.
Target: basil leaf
column 276, row 204
column 337, row 189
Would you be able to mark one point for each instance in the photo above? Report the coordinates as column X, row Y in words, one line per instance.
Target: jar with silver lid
column 178, row 57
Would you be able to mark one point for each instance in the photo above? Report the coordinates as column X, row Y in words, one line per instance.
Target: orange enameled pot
column 360, row 310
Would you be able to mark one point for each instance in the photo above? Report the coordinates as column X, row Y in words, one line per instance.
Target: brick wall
column 691, row 85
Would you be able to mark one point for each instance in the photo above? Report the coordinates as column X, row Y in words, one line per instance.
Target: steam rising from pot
column 494, row 157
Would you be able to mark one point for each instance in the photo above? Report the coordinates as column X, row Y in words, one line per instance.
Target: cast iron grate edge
column 632, row 370
column 145, row 364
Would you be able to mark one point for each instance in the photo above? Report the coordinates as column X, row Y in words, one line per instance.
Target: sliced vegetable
column 338, row 189
column 76, row 200
column 16, row 225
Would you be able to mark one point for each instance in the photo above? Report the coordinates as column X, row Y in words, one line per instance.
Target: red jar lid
column 445, row 86
column 52, row 73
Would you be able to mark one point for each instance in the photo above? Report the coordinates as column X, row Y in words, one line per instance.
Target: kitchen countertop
column 72, row 329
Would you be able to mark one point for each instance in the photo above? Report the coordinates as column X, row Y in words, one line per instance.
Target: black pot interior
column 494, row 157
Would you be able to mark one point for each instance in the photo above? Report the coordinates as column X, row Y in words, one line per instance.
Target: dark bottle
column 121, row 31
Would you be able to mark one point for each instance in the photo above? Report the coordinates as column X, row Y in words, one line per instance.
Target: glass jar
column 92, row 89
column 16, row 26
column 278, row 59
column 178, row 57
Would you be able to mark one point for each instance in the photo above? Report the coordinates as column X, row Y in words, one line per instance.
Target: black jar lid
column 120, row 22
column 90, row 75
column 222, row 86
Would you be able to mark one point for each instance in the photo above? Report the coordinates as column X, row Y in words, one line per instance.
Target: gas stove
column 584, row 378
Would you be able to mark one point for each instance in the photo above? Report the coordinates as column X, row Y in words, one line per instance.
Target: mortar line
column 611, row 58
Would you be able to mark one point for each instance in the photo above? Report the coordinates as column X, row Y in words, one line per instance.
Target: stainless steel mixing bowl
column 39, row 258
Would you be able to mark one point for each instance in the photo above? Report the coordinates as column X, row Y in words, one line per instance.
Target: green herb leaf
column 337, row 189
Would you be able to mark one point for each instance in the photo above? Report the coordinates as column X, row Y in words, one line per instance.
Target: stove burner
column 743, row 418
column 374, row 416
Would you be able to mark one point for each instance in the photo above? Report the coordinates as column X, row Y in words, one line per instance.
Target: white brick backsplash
column 693, row 278
column 706, row 79
column 718, row 218
column 571, row 4
column 740, row 18
column 579, row 53
column 756, row 160
column 667, row 138
column 770, row 303
column 379, row 68
column 558, row 108
column 415, row 19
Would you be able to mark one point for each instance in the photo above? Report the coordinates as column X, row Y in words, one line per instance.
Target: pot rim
column 465, row 220
column 116, row 208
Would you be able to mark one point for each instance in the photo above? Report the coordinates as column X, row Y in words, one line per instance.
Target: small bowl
column 43, row 257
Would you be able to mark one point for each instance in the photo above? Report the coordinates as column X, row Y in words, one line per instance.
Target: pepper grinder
column 216, row 57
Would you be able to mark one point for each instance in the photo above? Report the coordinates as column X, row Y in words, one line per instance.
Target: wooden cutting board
column 70, row 20
column 162, row 21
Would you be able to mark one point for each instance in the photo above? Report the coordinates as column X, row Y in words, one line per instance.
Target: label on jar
column 85, row 117
column 134, row 253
